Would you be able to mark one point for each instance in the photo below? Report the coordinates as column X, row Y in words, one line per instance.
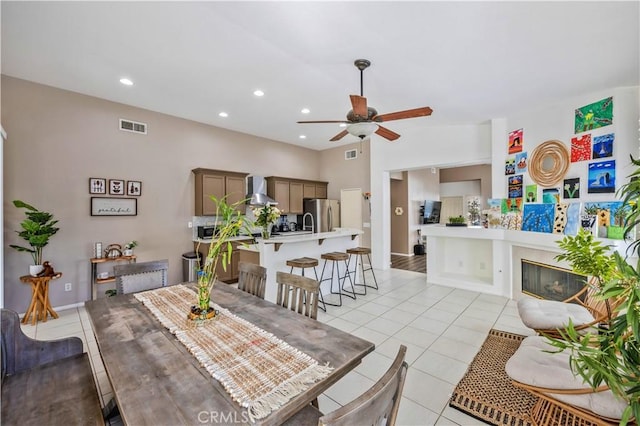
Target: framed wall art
column 97, row 186
column 116, row 187
column 105, row 206
column 134, row 188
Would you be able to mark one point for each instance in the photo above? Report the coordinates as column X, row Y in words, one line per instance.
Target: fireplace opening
column 550, row 282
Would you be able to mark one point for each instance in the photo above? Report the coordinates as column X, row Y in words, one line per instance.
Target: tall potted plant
column 230, row 223
column 611, row 356
column 37, row 229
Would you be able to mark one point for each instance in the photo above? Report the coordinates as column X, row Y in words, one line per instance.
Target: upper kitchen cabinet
column 290, row 193
column 217, row 183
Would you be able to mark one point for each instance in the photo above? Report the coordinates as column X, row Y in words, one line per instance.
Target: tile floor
column 442, row 327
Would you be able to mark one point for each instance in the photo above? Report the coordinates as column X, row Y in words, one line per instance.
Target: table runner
column 259, row 371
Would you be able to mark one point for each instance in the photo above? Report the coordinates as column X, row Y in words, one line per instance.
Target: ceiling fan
column 363, row 120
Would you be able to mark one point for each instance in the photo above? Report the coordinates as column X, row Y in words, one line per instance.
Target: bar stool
column 357, row 254
column 303, row 263
column 336, row 257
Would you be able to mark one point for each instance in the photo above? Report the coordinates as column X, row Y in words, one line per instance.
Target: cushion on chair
column 550, row 314
column 532, row 366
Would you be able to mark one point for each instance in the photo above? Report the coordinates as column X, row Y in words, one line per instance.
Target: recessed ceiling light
column 343, row 125
column 126, row 81
column 305, row 111
column 303, row 136
column 223, row 114
column 258, row 93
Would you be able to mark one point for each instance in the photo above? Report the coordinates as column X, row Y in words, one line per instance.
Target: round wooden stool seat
column 335, row 255
column 359, row 250
column 302, row 262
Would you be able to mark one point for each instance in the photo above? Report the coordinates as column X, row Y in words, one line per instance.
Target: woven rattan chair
column 583, row 309
column 298, row 293
column 377, row 406
column 135, row 277
column 252, row 279
column 563, row 398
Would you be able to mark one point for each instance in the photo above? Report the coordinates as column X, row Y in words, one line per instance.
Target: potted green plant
column 128, row 248
column 457, row 221
column 611, row 356
column 37, row 229
column 230, row 223
column 266, row 216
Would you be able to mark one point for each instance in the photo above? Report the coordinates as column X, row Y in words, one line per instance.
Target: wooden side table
column 40, row 307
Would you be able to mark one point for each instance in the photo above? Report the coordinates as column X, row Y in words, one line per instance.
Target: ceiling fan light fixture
column 363, row 129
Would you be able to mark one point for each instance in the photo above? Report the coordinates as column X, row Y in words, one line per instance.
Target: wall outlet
column 189, row 225
column 67, row 287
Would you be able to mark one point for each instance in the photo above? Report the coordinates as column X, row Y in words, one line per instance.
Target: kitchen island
column 275, row 251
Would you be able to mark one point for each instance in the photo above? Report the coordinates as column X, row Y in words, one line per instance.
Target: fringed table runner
column 258, row 370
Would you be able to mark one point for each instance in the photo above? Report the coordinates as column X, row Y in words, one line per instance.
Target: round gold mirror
column 549, row 163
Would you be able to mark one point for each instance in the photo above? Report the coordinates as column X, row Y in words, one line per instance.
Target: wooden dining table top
column 156, row 381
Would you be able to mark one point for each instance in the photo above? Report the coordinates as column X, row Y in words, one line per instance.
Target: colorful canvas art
column 511, row 205
column 560, row 218
column 512, row 221
column 515, row 186
column 571, row 188
column 573, row 219
column 602, row 177
column 615, row 212
column 510, row 166
column 494, row 214
column 538, row 217
column 521, row 162
column 551, row 195
column 581, row 148
column 531, row 192
column 515, row 141
column 602, row 146
column 595, row 115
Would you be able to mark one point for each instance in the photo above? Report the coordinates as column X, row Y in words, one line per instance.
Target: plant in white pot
column 37, row 229
column 128, row 248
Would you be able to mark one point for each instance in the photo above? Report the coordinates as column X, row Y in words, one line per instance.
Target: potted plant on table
column 230, row 224
column 37, row 229
column 266, row 216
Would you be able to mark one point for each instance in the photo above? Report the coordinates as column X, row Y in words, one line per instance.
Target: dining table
column 157, row 381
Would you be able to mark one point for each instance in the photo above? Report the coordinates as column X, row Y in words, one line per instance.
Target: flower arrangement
column 266, row 216
column 230, row 224
column 131, row 245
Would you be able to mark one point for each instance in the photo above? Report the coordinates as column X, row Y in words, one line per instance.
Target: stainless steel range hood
column 257, row 192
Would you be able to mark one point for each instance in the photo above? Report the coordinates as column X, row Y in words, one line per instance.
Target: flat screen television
column 431, row 211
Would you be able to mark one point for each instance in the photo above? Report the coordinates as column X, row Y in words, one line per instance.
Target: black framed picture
column 134, row 188
column 116, row 187
column 97, row 186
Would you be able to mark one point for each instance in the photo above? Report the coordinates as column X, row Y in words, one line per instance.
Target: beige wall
column 480, row 172
column 59, row 139
column 346, row 174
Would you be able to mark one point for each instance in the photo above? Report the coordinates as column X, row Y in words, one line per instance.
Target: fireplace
column 550, row 282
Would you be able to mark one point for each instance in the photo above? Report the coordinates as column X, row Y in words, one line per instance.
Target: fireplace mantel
column 488, row 260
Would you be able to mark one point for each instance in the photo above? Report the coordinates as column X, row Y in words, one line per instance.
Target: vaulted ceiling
column 469, row 61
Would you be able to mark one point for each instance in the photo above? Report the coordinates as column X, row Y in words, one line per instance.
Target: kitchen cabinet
column 232, row 272
column 217, row 183
column 249, row 256
column 315, row 190
column 295, row 197
column 290, row 193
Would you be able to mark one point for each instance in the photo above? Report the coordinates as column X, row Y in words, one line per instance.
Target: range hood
column 257, row 192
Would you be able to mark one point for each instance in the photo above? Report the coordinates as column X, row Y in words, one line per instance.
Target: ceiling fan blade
column 387, row 134
column 399, row 115
column 323, row 121
column 359, row 104
column 339, row 136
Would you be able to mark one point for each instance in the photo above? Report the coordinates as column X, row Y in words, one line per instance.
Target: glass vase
column 266, row 232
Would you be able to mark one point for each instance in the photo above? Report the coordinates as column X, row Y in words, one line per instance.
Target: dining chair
column 377, row 406
column 298, row 293
column 135, row 277
column 252, row 279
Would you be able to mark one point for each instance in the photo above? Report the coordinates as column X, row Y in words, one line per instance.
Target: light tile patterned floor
column 442, row 327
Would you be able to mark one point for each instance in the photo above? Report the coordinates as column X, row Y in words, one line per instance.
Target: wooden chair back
column 135, row 277
column 298, row 293
column 252, row 279
column 377, row 406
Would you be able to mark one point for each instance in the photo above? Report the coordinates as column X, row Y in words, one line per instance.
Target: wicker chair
column 377, row 406
column 583, row 309
column 136, row 277
column 252, row 279
column 298, row 293
column 563, row 398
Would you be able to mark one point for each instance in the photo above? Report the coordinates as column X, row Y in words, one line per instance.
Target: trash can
column 418, row 250
column 190, row 266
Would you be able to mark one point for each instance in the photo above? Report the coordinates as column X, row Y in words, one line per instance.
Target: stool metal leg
column 322, row 279
column 347, row 274
column 355, row 272
column 370, row 268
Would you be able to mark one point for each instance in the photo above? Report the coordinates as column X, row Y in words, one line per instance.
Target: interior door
column 351, row 208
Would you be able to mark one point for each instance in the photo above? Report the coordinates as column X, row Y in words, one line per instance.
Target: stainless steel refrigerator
column 325, row 214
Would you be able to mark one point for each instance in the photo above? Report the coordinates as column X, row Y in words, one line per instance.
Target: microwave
column 206, row 231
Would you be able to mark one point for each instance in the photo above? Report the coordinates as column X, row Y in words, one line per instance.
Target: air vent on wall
column 133, row 126
column 351, row 154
